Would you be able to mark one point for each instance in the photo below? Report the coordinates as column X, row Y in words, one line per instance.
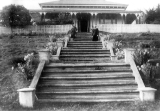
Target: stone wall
column 112, row 28
column 129, row 28
column 38, row 29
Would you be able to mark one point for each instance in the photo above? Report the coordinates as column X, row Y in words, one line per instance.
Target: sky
column 132, row 4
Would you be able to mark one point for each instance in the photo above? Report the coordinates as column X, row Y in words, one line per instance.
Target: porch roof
column 81, row 2
column 84, row 11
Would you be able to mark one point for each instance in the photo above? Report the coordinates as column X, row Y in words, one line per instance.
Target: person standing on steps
column 95, row 34
column 73, row 31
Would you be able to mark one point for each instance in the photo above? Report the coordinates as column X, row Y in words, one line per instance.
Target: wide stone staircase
column 86, row 74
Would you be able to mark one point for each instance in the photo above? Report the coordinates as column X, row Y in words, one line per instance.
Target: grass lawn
column 10, row 80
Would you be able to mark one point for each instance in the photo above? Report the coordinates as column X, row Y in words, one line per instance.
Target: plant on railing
column 118, row 50
column 52, row 45
column 141, row 56
column 27, row 67
column 147, row 70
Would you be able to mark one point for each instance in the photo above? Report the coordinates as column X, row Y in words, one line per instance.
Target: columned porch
column 85, row 21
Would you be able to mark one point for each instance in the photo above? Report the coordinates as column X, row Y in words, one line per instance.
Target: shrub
column 154, row 44
column 141, row 56
column 25, row 65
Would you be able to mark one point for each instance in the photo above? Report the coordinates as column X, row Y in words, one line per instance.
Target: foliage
column 118, row 50
column 26, row 67
column 15, row 16
column 148, row 71
column 141, row 56
column 130, row 18
column 52, row 46
column 56, row 19
column 153, row 16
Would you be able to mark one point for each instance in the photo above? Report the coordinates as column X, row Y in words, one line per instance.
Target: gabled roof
column 81, row 2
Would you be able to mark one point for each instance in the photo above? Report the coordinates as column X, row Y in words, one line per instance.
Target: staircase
column 82, row 78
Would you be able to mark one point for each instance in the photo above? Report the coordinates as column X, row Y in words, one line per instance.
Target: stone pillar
column 27, row 97
column 147, row 94
column 128, row 54
column 44, row 54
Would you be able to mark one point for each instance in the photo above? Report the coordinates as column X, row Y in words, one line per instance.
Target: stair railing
column 27, row 96
column 37, row 74
column 146, row 93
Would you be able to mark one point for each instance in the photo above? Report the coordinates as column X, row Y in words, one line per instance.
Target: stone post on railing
column 56, row 57
column 102, row 40
column 147, row 94
column 27, row 97
column 60, row 43
column 128, row 53
column 44, row 54
column 66, row 40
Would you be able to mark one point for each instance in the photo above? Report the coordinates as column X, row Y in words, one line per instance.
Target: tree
column 153, row 16
column 15, row 16
column 130, row 18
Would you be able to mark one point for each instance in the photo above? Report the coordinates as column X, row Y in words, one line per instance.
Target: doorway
column 83, row 22
column 84, row 26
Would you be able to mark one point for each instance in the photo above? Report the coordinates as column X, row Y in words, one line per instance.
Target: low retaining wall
column 50, row 29
column 112, row 28
column 129, row 28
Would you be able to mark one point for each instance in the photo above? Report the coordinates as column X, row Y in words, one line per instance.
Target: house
column 87, row 13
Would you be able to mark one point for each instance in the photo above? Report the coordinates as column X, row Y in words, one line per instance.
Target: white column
column 125, row 19
column 122, row 18
column 44, row 16
column 91, row 21
column 41, row 15
column 95, row 18
column 71, row 16
column 75, row 13
column 136, row 18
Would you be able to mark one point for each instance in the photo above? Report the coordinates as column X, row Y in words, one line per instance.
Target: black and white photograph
column 80, row 55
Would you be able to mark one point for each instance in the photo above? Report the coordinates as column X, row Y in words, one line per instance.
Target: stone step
column 85, row 47
column 100, row 82
column 87, row 96
column 89, row 92
column 89, row 65
column 83, row 39
column 89, row 42
column 88, row 78
column 80, row 53
column 85, row 55
column 85, row 60
column 86, row 100
column 84, row 50
column 87, row 89
column 80, row 75
column 77, row 60
column 82, row 45
column 86, row 68
column 107, row 72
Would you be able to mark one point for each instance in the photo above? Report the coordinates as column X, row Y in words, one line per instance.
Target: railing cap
column 147, row 89
column 43, row 50
column 26, row 90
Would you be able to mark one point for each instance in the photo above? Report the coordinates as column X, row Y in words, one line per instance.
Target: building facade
column 87, row 13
